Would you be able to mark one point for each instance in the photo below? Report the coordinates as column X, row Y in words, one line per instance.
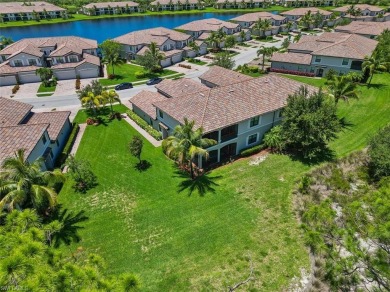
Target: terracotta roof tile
column 210, row 24
column 20, row 7
column 253, row 17
column 179, row 87
column 12, row 112
column 174, row 2
column 221, row 76
column 304, row 10
column 360, row 6
column 144, row 100
column 219, row 107
column 364, row 28
column 112, row 4
column 293, row 58
column 55, row 119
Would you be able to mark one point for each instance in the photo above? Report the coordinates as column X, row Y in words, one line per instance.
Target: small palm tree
column 341, row 87
column 154, row 51
column 242, row 36
column 289, row 25
column 111, row 96
column 188, row 143
column 92, row 101
column 113, row 60
column 266, row 52
column 24, row 184
column 373, row 65
column 213, row 40
column 195, row 47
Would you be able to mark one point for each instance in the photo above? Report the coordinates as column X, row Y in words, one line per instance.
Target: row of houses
column 42, row 134
column 234, row 109
column 13, row 11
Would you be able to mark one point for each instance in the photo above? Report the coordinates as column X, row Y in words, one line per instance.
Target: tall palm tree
column 113, row 60
column 154, row 51
column 340, row 87
column 289, row 25
column 24, row 184
column 373, row 65
column 186, row 143
column 307, row 20
column 195, row 47
column 92, row 101
column 265, row 52
column 242, row 36
column 4, row 41
column 258, row 26
column 213, row 40
column 111, row 96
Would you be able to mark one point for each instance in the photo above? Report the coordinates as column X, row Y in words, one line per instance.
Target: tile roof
column 19, row 137
column 219, row 107
column 5, row 68
column 304, row 10
column 360, row 6
column 112, row 4
column 221, row 76
column 73, row 43
column 179, row 87
column 174, row 2
column 12, row 112
column 87, row 58
column 253, row 17
column 293, row 58
column 30, row 50
column 55, row 119
column 364, row 28
column 21, row 7
column 170, row 53
column 158, row 35
column 246, row 1
column 210, row 24
column 336, row 45
column 144, row 101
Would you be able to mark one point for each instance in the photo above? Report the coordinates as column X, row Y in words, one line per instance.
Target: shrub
column 185, row 66
column 82, row 174
column 78, row 83
column 274, row 139
column 330, row 74
column 253, row 150
column 111, row 76
column 144, row 125
column 140, row 74
column 90, row 121
column 379, row 152
column 253, row 69
column 15, row 88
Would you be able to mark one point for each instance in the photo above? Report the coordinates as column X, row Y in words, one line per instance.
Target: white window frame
column 257, row 139
column 317, row 57
column 21, row 61
column 249, row 122
column 342, row 62
column 34, row 60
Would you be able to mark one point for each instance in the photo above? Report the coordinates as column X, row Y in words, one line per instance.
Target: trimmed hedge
column 253, row 150
column 68, row 146
column 292, row 72
column 144, row 125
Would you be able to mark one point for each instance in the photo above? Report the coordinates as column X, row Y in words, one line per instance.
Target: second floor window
column 18, row 63
column 345, row 62
column 73, row 59
column 317, row 59
column 254, row 121
column 252, row 139
column 32, row 62
column 44, row 139
column 161, row 114
column 60, row 60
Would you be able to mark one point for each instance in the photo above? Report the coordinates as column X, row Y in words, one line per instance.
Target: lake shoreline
column 82, row 17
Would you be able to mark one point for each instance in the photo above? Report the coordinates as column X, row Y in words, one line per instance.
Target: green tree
column 110, row 96
column 341, row 87
column 92, row 102
column 5, row 41
column 265, row 52
column 186, row 143
column 111, row 51
column 372, row 65
column 309, row 122
column 242, row 36
column 195, row 47
column 25, row 184
column 224, row 60
column 307, row 20
column 379, row 152
column 45, row 74
column 230, row 42
column 151, row 59
column 135, row 146
column 82, row 174
column 274, row 139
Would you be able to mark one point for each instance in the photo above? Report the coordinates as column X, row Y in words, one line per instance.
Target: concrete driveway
column 27, row 90
column 68, row 87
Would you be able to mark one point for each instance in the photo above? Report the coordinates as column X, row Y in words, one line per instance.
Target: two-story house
column 68, row 57
column 103, row 8
column 297, row 13
column 41, row 134
column 201, row 29
column 306, row 3
column 170, row 43
column 173, row 5
column 249, row 20
column 363, row 12
column 230, row 4
column 13, row 11
column 369, row 29
column 315, row 55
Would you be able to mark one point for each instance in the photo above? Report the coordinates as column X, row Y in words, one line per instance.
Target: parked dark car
column 122, row 86
column 153, row 81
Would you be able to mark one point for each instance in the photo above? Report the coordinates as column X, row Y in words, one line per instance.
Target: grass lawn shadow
column 326, row 155
column 143, row 165
column 202, row 184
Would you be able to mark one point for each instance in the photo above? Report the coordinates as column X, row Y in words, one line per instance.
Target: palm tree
column 213, row 40
column 92, row 101
column 340, row 87
column 266, row 52
column 297, row 37
column 242, row 36
column 373, row 65
column 307, row 20
column 188, row 143
column 113, row 60
column 111, row 96
column 258, row 26
column 25, row 185
column 195, row 47
column 289, row 25
column 4, row 41
column 154, row 51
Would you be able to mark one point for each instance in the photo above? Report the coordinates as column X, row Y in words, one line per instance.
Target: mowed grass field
column 179, row 241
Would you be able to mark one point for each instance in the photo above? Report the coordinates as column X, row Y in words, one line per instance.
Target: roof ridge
column 205, row 107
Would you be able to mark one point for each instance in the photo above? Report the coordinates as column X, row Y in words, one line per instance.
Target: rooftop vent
column 201, row 94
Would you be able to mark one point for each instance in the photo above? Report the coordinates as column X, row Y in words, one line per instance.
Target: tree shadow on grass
column 143, row 165
column 376, row 85
column 202, row 184
column 326, row 155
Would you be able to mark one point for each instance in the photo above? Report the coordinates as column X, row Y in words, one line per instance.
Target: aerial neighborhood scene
column 195, row 145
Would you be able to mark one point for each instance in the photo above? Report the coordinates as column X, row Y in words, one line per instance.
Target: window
column 32, row 62
column 161, row 114
column 18, row 63
column 317, row 59
column 60, row 60
column 58, row 144
column 44, row 139
column 345, row 62
column 73, row 59
column 252, row 139
column 254, row 121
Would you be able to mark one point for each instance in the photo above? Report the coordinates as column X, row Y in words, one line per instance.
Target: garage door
column 177, row 58
column 203, row 50
column 28, row 78
column 166, row 62
column 7, row 80
column 191, row 54
column 65, row 74
column 88, row 73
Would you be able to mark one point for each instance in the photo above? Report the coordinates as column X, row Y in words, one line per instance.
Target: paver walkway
column 146, row 135
column 77, row 141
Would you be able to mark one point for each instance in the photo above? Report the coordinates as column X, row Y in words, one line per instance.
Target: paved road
column 71, row 102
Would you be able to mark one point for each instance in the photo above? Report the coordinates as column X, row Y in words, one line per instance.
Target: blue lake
column 102, row 29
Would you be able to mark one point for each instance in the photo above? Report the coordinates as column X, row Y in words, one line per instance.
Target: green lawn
column 139, row 222
column 196, row 61
column 126, row 73
column 43, row 89
column 82, row 115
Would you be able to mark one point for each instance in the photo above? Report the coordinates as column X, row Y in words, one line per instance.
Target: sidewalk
column 145, row 134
